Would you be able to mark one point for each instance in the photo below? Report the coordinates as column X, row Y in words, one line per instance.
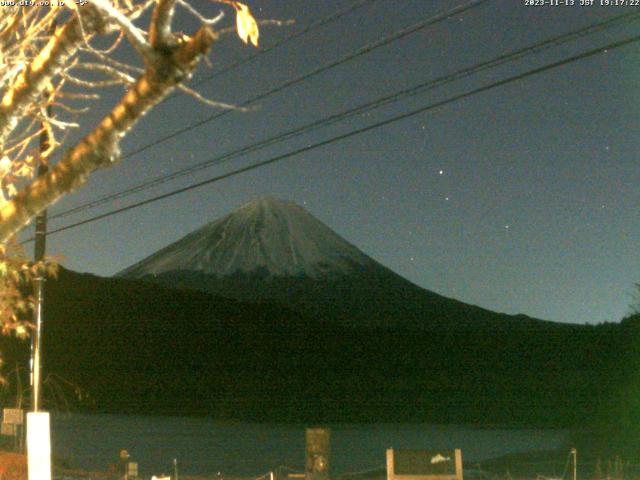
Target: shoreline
column 531, row 465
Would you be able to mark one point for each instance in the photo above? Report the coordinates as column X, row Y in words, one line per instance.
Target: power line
column 347, row 58
column 359, row 131
column 412, row 91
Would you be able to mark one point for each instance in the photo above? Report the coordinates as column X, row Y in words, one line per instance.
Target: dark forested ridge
column 139, row 347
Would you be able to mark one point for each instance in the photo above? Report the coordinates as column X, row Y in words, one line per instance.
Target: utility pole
column 38, row 422
column 38, row 284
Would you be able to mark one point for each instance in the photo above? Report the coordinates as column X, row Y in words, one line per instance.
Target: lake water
column 204, row 446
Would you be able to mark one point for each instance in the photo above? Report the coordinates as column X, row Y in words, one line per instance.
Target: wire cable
column 338, row 138
column 412, row 91
column 394, row 37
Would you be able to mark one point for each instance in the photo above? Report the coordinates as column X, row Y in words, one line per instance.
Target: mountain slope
column 270, row 249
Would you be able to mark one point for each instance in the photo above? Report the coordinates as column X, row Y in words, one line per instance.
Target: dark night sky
column 522, row 199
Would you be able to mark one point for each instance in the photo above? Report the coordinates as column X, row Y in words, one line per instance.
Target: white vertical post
column 390, row 466
column 458, row 454
column 39, row 446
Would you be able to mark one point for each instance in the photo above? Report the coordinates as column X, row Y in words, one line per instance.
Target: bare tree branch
column 212, row 103
column 160, row 35
column 133, row 33
column 206, row 21
column 101, row 147
column 52, row 58
column 33, row 80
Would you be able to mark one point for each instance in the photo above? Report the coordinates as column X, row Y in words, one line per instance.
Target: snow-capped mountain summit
column 269, row 236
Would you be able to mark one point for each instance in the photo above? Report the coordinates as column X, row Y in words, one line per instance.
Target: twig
column 207, row 101
column 199, row 16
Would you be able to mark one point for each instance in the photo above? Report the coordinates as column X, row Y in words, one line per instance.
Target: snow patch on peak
column 266, row 235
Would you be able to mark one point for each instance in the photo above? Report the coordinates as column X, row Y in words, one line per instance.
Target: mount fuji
column 312, row 330
column 274, row 250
